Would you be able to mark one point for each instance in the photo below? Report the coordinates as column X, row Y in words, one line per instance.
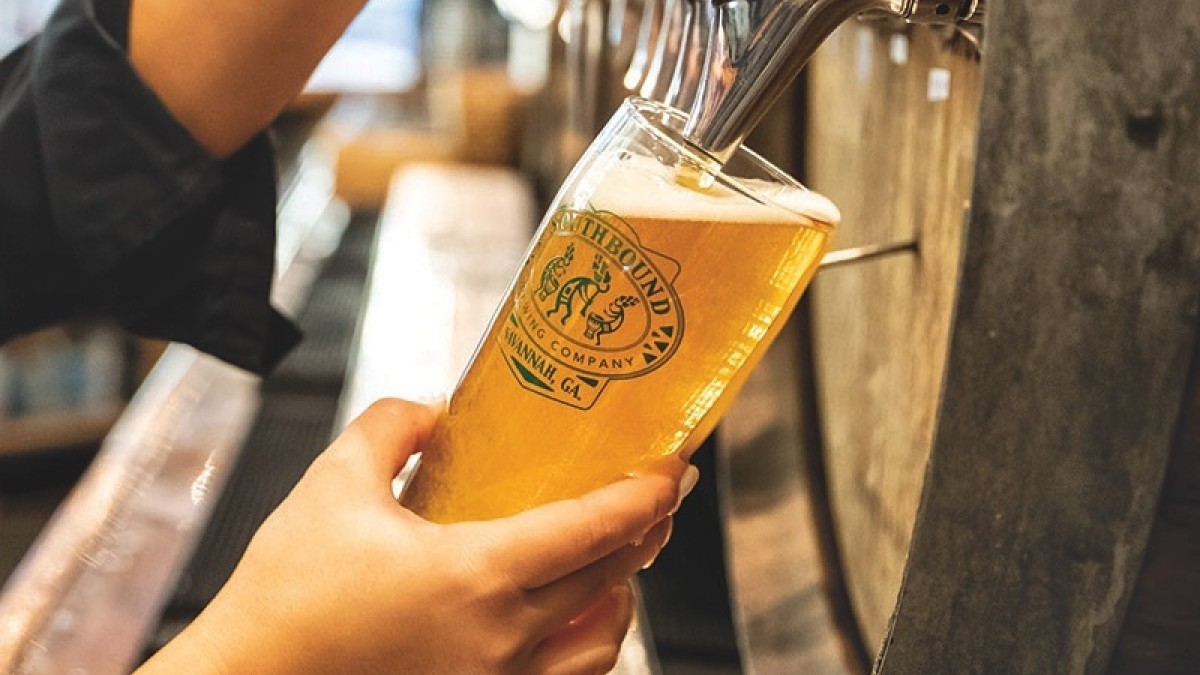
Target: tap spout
column 647, row 41
column 689, row 68
column 670, row 41
column 587, row 55
column 757, row 47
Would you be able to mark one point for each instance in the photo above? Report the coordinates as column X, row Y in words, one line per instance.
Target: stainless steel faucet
column 587, row 55
column 621, row 36
column 689, row 66
column 604, row 39
column 647, row 42
column 666, row 54
column 757, row 47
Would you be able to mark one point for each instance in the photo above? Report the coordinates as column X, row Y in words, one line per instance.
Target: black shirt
column 109, row 208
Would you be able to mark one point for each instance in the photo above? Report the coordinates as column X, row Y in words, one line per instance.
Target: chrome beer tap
column 666, row 55
column 621, row 37
column 689, row 67
column 586, row 56
column 647, row 43
column 626, row 19
column 601, row 40
column 757, row 47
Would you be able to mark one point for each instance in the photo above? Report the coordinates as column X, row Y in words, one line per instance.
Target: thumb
column 386, row 435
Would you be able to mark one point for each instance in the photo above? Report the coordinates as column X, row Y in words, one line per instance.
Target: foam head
column 645, row 187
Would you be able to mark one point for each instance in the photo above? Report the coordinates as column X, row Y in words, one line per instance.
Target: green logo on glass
column 592, row 305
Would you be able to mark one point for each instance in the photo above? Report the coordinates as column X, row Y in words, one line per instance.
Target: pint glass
column 655, row 282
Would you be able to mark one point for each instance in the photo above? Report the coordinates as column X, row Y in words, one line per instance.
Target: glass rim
column 643, row 112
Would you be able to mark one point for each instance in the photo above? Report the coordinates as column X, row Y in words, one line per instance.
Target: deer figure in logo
column 554, row 271
column 611, row 320
column 584, row 288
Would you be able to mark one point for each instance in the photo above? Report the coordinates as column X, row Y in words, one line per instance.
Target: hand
column 342, row 579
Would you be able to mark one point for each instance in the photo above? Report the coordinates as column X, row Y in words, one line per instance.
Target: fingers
column 568, row 597
column 547, row 543
column 386, row 435
column 591, row 644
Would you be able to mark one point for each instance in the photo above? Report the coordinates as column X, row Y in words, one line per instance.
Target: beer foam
column 644, row 187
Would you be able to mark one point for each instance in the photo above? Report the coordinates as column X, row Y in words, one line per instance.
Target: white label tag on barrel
column 865, row 53
column 939, row 84
column 898, row 49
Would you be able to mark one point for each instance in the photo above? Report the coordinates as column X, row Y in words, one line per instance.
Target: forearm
column 226, row 68
column 189, row 653
column 220, row 641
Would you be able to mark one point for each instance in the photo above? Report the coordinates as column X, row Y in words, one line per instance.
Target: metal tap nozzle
column 624, row 21
column 587, row 54
column 670, row 39
column 647, row 41
column 689, row 67
column 757, row 47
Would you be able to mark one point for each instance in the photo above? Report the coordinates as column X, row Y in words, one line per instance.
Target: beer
column 641, row 307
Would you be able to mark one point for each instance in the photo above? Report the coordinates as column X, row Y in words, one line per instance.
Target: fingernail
column 686, row 483
column 666, row 540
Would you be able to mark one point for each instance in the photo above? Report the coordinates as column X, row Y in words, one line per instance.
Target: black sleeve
column 109, row 208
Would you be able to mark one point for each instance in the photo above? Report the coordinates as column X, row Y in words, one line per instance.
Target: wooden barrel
column 1006, row 423
column 892, row 142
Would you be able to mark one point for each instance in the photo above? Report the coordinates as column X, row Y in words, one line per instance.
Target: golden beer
column 639, row 310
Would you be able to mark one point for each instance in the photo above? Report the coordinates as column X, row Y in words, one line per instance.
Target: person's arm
column 342, row 579
column 136, row 184
column 227, row 68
